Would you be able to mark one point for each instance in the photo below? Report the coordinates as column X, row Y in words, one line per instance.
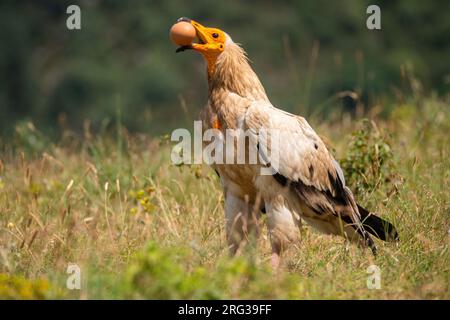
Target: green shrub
column 368, row 160
column 174, row 273
column 162, row 273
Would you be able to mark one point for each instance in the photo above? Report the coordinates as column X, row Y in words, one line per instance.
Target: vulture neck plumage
column 232, row 73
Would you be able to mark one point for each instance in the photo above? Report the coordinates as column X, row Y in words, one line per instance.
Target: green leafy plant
column 368, row 160
column 170, row 273
column 161, row 273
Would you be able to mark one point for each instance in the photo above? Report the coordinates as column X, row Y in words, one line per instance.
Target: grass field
column 139, row 227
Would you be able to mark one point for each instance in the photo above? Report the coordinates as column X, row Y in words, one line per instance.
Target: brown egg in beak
column 202, row 34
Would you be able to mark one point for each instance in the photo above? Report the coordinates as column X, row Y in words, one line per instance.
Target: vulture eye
column 215, row 35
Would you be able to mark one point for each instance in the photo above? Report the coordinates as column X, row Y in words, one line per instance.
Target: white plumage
column 308, row 183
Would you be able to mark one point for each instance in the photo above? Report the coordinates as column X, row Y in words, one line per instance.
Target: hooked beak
column 202, row 35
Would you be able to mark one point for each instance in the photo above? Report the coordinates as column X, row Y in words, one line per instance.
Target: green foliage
column 161, row 273
column 304, row 52
column 169, row 273
column 367, row 163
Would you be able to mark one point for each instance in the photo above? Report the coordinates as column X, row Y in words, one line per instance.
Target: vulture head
column 211, row 41
column 227, row 63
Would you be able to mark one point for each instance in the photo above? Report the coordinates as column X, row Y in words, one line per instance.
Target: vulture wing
column 304, row 164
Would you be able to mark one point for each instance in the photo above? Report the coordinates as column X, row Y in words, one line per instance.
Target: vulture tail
column 378, row 227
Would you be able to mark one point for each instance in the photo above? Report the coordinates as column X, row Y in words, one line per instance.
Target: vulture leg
column 241, row 221
column 283, row 227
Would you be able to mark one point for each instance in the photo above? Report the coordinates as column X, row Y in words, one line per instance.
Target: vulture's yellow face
column 211, row 41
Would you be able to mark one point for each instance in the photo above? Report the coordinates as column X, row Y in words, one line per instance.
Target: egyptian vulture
column 308, row 183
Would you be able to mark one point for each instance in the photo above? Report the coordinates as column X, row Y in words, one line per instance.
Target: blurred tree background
column 122, row 63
